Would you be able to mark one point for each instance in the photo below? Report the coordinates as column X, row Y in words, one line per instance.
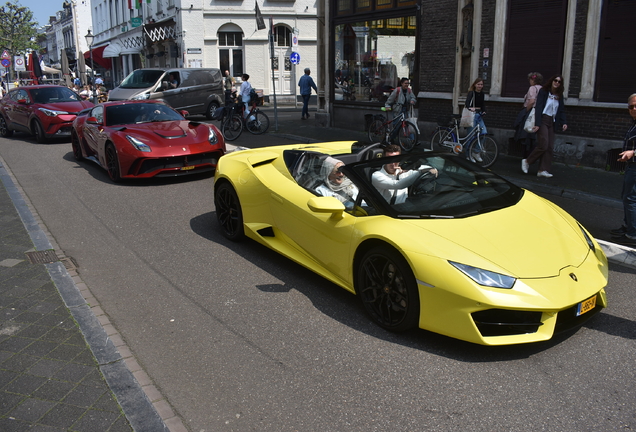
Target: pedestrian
column 475, row 102
column 244, row 92
column 530, row 139
column 228, row 83
column 402, row 97
column 306, row 83
column 99, row 81
column 626, row 234
column 549, row 115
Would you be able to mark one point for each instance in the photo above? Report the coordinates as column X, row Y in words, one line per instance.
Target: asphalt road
column 238, row 338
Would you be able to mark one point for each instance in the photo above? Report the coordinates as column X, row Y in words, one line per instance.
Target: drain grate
column 42, row 257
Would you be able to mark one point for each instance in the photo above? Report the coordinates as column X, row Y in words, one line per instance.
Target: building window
column 282, row 36
column 371, row 56
column 231, row 53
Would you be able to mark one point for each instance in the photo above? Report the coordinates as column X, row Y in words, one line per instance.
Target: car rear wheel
column 209, row 113
column 112, row 163
column 38, row 132
column 77, row 147
column 4, row 128
column 228, row 212
column 387, row 288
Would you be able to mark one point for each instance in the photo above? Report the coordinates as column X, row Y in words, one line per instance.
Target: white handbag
column 468, row 116
column 528, row 126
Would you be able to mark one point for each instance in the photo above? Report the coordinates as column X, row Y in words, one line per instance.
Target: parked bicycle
column 447, row 138
column 385, row 131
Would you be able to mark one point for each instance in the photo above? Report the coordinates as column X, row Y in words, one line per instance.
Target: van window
column 199, row 77
column 179, row 77
column 141, row 78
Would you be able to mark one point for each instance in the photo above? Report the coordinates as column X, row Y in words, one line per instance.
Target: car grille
column 150, row 165
column 567, row 318
column 503, row 322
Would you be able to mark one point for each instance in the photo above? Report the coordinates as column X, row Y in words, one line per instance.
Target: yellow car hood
column 533, row 239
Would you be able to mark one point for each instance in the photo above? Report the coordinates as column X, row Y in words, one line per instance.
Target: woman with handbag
column 476, row 104
column 536, row 81
column 549, row 116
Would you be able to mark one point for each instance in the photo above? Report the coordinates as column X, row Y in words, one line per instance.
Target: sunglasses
column 632, row 107
column 557, row 81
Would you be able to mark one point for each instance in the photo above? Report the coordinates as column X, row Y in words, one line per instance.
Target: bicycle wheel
column 232, row 127
column 257, row 123
column 407, row 136
column 377, row 131
column 489, row 152
column 442, row 135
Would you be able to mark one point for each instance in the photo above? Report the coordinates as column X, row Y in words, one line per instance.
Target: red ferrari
column 141, row 139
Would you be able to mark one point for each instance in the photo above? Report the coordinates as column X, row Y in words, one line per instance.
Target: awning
column 98, row 57
column 51, row 71
column 112, row 50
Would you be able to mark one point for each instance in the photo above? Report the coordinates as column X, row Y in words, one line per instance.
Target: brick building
column 501, row 41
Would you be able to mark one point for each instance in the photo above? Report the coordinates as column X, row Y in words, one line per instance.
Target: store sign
column 193, row 51
column 135, row 22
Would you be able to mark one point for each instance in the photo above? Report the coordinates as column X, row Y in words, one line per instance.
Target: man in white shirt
column 392, row 181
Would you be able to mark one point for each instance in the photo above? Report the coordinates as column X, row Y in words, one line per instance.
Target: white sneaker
column 477, row 156
column 544, row 174
column 524, row 166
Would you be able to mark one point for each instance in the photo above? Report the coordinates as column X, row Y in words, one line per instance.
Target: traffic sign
column 5, row 62
column 294, row 42
column 19, row 63
column 5, row 54
column 294, row 58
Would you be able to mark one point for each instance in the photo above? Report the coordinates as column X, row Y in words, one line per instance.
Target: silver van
column 198, row 91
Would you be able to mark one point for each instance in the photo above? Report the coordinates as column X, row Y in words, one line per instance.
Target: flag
column 130, row 4
column 260, row 23
column 35, row 59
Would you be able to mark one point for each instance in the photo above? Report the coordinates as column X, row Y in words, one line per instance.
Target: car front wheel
column 388, row 290
column 228, row 212
column 4, row 128
column 112, row 163
column 77, row 147
column 38, row 132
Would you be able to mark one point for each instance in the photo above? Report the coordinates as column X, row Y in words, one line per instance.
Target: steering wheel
column 424, row 184
column 367, row 152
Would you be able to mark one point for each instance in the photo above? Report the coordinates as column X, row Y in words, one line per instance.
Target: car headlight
column 212, row 137
column 138, row 144
column 589, row 241
column 52, row 113
column 485, row 277
column 141, row 96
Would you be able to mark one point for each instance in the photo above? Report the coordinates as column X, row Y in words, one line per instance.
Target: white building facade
column 216, row 34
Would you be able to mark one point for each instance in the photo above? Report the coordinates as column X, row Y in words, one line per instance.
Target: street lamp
column 89, row 41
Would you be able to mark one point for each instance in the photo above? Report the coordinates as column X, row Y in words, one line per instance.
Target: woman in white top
column 549, row 116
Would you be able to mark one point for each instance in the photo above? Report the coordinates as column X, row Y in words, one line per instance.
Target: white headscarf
column 346, row 190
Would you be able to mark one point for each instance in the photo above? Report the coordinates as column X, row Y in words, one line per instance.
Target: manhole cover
column 42, row 257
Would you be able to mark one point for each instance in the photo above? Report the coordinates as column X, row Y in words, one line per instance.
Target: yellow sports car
column 428, row 240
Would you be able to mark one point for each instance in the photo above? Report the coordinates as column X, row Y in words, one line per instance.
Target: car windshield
column 133, row 113
column 412, row 185
column 141, row 79
column 53, row 95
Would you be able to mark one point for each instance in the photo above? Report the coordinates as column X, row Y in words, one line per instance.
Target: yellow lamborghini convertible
column 424, row 239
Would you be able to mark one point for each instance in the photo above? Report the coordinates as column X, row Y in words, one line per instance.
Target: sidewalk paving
column 59, row 370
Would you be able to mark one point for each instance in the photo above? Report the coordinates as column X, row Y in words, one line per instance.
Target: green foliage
column 17, row 28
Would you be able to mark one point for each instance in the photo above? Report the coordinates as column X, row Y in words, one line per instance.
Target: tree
column 17, row 29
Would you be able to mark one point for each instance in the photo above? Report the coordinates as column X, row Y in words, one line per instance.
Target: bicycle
column 256, row 122
column 447, row 138
column 231, row 122
column 384, row 131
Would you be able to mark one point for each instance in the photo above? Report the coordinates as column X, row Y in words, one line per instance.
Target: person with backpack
column 245, row 93
column 306, row 83
column 402, row 97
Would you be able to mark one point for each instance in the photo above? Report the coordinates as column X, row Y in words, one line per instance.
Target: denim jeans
column 629, row 199
column 305, row 105
column 478, row 121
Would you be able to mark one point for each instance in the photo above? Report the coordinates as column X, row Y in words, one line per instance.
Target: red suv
column 45, row 111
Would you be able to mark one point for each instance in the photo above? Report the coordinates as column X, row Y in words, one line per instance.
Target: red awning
column 98, row 52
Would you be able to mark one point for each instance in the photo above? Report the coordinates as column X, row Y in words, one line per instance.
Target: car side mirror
column 92, row 120
column 165, row 85
column 22, row 101
column 184, row 113
column 326, row 205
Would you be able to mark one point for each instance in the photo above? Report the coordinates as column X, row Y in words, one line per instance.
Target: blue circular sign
column 294, row 58
column 6, row 62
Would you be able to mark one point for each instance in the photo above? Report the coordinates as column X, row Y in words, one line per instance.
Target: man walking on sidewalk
column 627, row 233
column 306, row 83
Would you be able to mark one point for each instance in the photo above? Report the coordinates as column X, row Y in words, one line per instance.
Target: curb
column 139, row 410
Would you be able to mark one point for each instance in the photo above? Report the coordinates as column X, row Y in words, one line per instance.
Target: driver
column 147, row 113
column 336, row 184
column 393, row 182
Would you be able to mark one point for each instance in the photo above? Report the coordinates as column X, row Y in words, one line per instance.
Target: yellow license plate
column 185, row 168
column 585, row 306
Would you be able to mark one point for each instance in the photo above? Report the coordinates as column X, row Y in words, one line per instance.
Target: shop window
column 371, row 57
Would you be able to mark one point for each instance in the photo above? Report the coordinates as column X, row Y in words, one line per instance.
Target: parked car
column 199, row 91
column 461, row 251
column 142, row 139
column 45, row 111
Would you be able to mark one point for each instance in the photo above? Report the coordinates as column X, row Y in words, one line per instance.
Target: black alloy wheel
column 112, row 163
column 4, row 128
column 209, row 113
column 38, row 132
column 388, row 290
column 77, row 146
column 228, row 212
